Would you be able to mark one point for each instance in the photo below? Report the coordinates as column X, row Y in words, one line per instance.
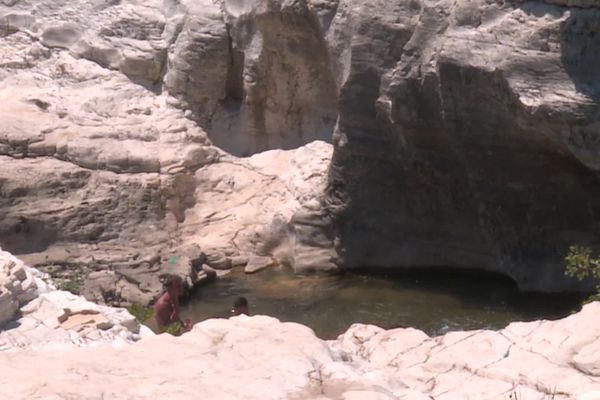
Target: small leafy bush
column 71, row 284
column 582, row 265
column 174, row 329
column 140, row 312
column 143, row 314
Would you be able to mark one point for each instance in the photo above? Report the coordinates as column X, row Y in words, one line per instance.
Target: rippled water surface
column 433, row 301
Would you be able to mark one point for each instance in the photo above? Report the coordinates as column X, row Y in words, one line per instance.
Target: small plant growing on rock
column 71, row 284
column 582, row 265
column 174, row 329
column 140, row 312
column 143, row 314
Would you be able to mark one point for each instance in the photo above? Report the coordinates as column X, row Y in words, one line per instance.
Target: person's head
column 240, row 306
column 174, row 285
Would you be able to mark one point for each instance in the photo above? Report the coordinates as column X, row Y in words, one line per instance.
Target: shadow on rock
column 580, row 48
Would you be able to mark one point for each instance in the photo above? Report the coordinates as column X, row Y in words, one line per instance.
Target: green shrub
column 71, row 284
column 140, row 312
column 582, row 265
column 174, row 329
column 143, row 314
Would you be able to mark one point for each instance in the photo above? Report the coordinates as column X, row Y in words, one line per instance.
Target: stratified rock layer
column 103, row 181
column 91, row 155
column 261, row 358
column 255, row 74
column 465, row 132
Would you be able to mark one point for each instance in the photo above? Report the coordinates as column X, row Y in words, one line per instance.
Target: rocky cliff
column 465, row 135
column 107, row 172
column 255, row 74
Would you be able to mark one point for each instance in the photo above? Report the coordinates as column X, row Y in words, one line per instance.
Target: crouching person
column 166, row 309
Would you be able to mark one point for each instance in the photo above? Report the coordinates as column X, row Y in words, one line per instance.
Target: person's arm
column 187, row 324
column 174, row 317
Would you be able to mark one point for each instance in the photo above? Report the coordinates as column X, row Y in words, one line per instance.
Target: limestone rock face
column 34, row 314
column 255, row 74
column 62, row 319
column 522, row 358
column 102, row 180
column 91, row 153
column 229, row 211
column 466, row 138
column 17, row 286
column 465, row 135
column 243, row 206
column 261, row 358
column 126, row 36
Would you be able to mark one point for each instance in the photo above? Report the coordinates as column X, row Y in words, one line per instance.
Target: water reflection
column 434, row 301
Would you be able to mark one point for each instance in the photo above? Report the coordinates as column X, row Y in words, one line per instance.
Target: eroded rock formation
column 261, row 358
column 465, row 135
column 33, row 314
column 106, row 177
column 17, row 286
column 255, row 74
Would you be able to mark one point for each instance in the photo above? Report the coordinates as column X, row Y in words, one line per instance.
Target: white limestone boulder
column 34, row 314
column 17, row 286
column 534, row 360
column 243, row 206
column 259, row 357
column 60, row 318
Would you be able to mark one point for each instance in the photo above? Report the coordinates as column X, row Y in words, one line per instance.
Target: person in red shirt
column 166, row 309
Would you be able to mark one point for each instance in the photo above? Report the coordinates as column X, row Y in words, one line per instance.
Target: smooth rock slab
column 261, row 358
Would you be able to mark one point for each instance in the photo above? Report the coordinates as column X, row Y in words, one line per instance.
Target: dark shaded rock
column 457, row 150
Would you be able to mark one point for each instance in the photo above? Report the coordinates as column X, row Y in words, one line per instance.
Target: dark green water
column 435, row 302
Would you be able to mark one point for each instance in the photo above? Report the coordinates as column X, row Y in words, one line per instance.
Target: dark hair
column 240, row 302
column 172, row 280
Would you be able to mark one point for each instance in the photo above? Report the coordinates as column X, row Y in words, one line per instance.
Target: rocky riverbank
column 33, row 314
column 59, row 346
column 139, row 138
